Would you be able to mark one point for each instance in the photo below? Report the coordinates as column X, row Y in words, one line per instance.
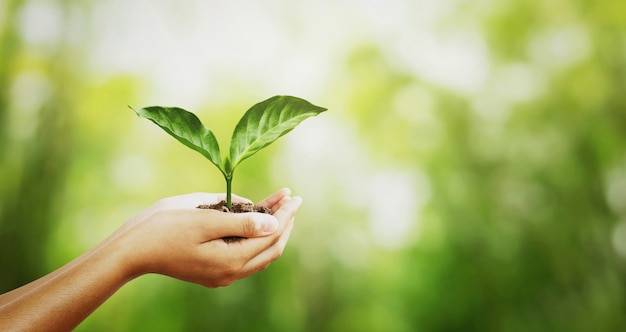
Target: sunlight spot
column 456, row 60
column 301, row 74
column 334, row 155
column 41, row 23
column 179, row 82
column 491, row 108
column 560, row 47
column 131, row 172
column 518, row 83
column 396, row 199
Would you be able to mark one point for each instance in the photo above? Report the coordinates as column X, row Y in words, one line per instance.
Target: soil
column 235, row 207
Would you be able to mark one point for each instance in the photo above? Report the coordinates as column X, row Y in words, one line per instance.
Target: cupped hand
column 176, row 239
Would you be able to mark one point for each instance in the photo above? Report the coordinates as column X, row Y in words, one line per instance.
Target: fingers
column 270, row 254
column 271, row 202
column 217, row 224
column 288, row 209
column 250, row 225
column 272, row 247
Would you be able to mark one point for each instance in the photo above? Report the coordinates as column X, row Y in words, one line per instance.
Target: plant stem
column 229, row 180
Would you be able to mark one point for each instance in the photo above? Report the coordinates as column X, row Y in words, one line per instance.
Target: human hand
column 174, row 238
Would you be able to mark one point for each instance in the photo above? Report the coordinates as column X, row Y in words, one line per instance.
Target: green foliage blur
column 470, row 174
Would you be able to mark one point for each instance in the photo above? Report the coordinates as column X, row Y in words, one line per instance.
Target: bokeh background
column 470, row 174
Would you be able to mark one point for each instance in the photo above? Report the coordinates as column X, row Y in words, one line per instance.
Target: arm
column 172, row 238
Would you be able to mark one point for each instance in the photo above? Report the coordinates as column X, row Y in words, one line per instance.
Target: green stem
column 229, row 180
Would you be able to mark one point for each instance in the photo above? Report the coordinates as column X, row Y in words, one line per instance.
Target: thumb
column 249, row 224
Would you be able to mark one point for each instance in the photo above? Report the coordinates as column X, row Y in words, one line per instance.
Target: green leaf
column 260, row 126
column 186, row 128
column 265, row 122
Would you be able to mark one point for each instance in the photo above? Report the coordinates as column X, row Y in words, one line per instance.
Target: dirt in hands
column 235, row 207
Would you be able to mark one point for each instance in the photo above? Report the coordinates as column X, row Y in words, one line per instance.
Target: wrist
column 124, row 258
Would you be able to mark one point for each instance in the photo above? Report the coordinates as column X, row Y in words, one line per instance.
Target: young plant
column 260, row 126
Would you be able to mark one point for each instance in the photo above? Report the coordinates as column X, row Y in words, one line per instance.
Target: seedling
column 260, row 126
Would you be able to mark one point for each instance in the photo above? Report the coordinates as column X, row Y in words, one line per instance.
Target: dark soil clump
column 235, row 207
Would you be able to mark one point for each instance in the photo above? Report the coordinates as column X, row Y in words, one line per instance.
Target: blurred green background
column 470, row 174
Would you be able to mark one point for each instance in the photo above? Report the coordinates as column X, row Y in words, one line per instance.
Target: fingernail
column 271, row 225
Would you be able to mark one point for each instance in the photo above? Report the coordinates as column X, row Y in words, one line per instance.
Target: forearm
column 63, row 299
column 21, row 291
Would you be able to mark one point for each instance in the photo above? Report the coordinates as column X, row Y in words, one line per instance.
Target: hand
column 174, row 238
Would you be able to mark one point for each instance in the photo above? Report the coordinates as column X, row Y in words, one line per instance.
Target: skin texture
column 171, row 238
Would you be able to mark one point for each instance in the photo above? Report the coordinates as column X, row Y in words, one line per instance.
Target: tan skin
column 171, row 238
